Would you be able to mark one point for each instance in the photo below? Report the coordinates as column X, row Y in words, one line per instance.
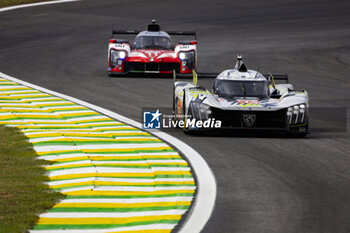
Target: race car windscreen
column 234, row 88
column 153, row 42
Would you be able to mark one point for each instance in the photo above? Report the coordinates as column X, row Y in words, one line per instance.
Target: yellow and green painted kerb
column 116, row 178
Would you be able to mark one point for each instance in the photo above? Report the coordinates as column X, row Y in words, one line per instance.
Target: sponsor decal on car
column 248, row 101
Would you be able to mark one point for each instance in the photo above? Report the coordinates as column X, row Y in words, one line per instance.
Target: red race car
column 152, row 51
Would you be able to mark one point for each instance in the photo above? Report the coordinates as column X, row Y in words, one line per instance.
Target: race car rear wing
column 273, row 77
column 130, row 32
column 173, row 33
column 154, row 27
column 183, row 33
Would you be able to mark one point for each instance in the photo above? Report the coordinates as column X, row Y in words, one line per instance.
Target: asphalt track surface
column 266, row 183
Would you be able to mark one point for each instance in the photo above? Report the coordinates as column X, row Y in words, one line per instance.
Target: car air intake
column 251, row 119
column 152, row 66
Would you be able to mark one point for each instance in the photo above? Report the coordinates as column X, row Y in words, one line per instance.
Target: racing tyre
column 297, row 134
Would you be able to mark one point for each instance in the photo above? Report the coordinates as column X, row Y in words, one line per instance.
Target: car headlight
column 187, row 58
column 117, row 57
column 186, row 55
column 200, row 111
column 122, row 54
column 182, row 56
column 117, row 54
column 297, row 114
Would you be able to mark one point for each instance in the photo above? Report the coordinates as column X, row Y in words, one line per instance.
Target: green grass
column 5, row 3
column 23, row 194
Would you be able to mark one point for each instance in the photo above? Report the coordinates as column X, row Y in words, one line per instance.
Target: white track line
column 34, row 4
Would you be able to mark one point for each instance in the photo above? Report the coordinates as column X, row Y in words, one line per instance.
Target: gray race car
column 242, row 99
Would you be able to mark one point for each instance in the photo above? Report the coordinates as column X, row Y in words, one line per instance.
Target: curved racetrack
column 265, row 183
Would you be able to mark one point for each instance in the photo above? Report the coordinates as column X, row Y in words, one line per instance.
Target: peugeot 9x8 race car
column 152, row 51
column 242, row 99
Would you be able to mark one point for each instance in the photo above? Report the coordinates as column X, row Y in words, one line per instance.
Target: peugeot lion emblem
column 249, row 119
